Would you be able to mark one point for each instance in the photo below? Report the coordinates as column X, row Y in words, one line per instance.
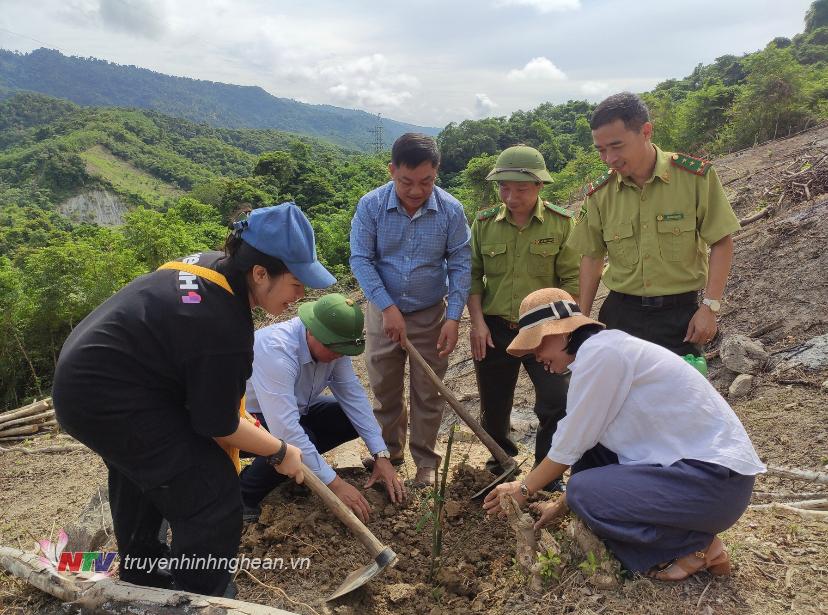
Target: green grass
column 126, row 178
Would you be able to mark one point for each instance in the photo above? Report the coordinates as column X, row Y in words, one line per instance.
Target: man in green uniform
column 655, row 213
column 517, row 248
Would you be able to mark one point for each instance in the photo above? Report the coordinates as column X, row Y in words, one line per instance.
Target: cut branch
column 797, row 474
column 29, row 420
column 19, row 431
column 34, row 408
column 118, row 597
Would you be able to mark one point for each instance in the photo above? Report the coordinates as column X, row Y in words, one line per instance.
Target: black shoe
column 493, row 466
column 556, row 486
column 368, row 462
column 250, row 514
column 231, row 591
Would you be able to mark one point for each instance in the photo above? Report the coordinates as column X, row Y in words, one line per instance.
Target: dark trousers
column 326, row 425
column 665, row 326
column 497, row 376
column 648, row 514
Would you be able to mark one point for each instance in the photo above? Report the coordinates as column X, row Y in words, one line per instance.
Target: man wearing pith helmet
column 517, row 247
column 293, row 363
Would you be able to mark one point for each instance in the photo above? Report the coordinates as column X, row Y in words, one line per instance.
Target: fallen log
column 117, row 597
column 19, row 431
column 809, row 509
column 34, row 408
column 66, row 448
column 29, row 420
column 797, row 474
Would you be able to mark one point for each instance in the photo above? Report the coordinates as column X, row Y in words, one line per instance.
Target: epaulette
column 488, row 213
column 558, row 209
column 695, row 165
column 600, row 182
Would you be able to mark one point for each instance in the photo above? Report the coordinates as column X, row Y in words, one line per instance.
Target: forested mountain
column 180, row 182
column 93, row 82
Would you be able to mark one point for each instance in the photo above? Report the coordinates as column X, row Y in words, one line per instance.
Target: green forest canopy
column 53, row 271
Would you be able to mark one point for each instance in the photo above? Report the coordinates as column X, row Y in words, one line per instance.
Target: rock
column 742, row 354
column 814, row 355
column 825, row 386
column 741, row 386
column 397, row 592
column 452, row 508
column 463, row 434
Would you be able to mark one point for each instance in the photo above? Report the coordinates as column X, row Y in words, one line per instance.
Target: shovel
column 383, row 556
column 494, row 448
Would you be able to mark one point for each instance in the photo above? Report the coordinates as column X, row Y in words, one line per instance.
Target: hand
column 384, row 472
column 448, row 337
column 549, row 511
column 702, row 327
column 352, row 498
column 492, row 502
column 292, row 464
column 480, row 337
column 393, row 324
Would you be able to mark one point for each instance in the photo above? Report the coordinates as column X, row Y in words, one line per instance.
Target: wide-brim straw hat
column 548, row 311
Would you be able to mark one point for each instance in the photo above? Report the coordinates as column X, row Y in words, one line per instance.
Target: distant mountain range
column 93, row 82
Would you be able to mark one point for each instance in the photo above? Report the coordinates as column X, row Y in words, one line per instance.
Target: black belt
column 660, row 301
column 512, row 326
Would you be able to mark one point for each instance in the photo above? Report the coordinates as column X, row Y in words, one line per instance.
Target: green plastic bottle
column 698, row 362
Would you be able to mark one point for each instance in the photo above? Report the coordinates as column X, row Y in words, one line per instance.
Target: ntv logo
column 98, row 563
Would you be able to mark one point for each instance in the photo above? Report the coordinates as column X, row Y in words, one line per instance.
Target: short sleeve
column 714, row 215
column 587, row 237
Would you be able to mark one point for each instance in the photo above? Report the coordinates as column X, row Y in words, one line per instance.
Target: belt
column 660, row 301
column 512, row 326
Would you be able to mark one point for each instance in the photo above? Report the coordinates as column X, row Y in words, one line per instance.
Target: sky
column 426, row 62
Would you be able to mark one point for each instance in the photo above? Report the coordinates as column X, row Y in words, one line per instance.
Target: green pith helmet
column 337, row 322
column 520, row 163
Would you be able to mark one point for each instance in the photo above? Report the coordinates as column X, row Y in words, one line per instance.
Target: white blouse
column 648, row 406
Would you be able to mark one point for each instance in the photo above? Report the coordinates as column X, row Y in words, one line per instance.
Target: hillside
column 94, row 82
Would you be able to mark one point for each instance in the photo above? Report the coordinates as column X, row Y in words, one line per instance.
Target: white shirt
column 648, row 406
column 286, row 381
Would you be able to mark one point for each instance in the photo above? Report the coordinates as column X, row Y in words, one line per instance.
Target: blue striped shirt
column 411, row 262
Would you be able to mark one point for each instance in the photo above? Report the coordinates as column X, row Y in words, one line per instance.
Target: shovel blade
column 361, row 576
column 511, row 471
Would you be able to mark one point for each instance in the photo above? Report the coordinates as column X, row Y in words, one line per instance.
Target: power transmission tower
column 376, row 131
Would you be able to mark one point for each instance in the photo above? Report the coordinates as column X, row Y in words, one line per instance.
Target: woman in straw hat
column 660, row 464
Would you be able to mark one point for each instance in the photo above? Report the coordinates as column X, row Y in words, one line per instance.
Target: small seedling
column 590, row 565
column 549, row 564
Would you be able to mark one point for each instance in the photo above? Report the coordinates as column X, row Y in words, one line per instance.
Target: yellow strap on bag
column 216, row 278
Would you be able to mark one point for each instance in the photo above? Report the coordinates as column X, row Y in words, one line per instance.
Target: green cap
column 520, row 163
column 336, row 321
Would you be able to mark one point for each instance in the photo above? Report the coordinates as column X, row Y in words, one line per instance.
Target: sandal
column 716, row 563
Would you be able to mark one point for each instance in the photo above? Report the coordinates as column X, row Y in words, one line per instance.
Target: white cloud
column 143, row 17
column 537, row 68
column 369, row 81
column 483, row 105
column 542, row 6
column 594, row 88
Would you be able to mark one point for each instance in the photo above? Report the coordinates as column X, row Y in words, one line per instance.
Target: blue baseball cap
column 283, row 232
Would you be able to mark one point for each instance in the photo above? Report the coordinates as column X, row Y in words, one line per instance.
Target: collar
column 394, row 202
column 660, row 171
column 504, row 214
column 305, row 356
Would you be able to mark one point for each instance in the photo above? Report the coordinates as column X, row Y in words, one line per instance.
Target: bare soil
column 780, row 559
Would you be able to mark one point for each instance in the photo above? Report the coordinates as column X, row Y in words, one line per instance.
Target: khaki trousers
column 385, row 361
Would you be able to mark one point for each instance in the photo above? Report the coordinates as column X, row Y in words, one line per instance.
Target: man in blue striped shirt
column 410, row 254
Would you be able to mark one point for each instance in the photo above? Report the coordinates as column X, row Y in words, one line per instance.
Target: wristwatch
column 524, row 490
column 714, row 304
column 383, row 453
column 279, row 456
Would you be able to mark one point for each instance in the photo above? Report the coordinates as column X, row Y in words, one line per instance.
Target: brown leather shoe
column 423, row 478
column 714, row 559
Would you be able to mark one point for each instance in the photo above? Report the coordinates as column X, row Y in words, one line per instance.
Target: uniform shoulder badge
column 488, row 213
column 600, row 182
column 698, row 166
column 563, row 211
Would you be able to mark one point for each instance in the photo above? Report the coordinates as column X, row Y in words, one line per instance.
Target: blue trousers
column 648, row 514
column 326, row 425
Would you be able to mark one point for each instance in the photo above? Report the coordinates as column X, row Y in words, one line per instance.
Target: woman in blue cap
column 153, row 381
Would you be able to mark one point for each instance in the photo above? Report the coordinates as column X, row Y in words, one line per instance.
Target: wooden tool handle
column 343, row 513
column 494, row 448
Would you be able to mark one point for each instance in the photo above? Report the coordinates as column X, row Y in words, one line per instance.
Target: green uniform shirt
column 509, row 262
column 656, row 236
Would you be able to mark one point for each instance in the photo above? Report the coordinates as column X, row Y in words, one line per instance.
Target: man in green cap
column 655, row 213
column 294, row 362
column 517, row 248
